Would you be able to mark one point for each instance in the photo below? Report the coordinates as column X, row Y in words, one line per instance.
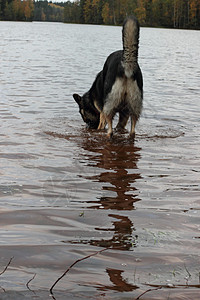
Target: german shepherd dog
column 117, row 88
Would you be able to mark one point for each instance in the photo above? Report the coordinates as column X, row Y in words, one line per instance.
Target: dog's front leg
column 102, row 122
column 109, row 122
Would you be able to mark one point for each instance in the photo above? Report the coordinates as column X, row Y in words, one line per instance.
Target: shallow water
column 66, row 192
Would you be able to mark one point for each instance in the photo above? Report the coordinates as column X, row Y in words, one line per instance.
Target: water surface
column 66, row 192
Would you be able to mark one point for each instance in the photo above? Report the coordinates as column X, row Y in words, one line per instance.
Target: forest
column 29, row 10
column 153, row 13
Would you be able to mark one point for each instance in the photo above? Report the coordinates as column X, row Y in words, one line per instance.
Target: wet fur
column 117, row 88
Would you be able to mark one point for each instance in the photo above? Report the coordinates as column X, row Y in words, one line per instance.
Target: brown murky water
column 66, row 192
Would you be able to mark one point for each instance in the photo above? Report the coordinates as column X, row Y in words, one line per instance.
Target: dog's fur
column 118, row 87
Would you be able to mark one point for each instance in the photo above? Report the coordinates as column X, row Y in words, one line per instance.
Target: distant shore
column 160, row 13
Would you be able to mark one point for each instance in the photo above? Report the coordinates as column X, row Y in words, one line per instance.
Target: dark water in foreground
column 66, row 192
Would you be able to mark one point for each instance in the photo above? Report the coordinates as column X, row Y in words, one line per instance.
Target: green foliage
column 72, row 12
column 48, row 11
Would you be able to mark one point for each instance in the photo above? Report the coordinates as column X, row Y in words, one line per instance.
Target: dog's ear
column 77, row 98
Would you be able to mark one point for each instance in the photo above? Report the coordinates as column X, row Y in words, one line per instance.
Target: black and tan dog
column 117, row 88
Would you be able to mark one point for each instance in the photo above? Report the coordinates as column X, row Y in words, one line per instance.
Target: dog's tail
column 130, row 38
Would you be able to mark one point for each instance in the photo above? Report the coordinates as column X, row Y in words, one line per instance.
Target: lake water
column 67, row 192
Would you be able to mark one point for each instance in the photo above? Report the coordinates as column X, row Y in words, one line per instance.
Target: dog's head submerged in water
column 88, row 111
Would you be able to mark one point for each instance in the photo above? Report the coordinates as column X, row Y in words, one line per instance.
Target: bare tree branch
column 147, row 291
column 27, row 285
column 6, row 267
column 74, row 263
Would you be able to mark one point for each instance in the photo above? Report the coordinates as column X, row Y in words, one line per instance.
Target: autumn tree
column 18, row 10
column 28, row 9
column 160, row 13
column 140, row 12
column 106, row 13
column 194, row 12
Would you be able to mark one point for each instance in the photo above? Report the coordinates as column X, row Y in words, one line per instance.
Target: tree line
column 48, row 11
column 155, row 13
column 30, row 10
column 16, row 10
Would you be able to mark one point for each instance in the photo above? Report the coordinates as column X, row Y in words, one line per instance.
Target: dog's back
column 123, row 84
column 118, row 87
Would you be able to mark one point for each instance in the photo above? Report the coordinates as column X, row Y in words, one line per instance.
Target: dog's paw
column 110, row 135
column 120, row 129
column 132, row 137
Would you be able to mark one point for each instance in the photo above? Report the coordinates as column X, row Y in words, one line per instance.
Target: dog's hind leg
column 133, row 123
column 123, row 119
column 102, row 122
column 109, row 122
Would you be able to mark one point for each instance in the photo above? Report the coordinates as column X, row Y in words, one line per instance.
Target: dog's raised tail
column 130, row 38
